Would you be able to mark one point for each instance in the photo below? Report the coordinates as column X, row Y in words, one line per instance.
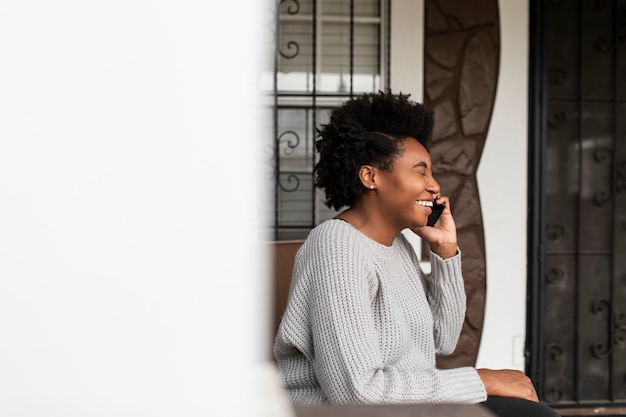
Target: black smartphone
column 434, row 216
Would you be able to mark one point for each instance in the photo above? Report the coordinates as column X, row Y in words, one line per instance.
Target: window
column 325, row 51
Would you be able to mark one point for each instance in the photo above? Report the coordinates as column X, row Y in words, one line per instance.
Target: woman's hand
column 442, row 236
column 508, row 383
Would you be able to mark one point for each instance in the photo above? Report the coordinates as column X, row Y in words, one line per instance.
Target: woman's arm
column 447, row 299
column 445, row 285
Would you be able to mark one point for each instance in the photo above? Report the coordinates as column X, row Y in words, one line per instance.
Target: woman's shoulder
column 332, row 235
column 331, row 227
column 333, row 247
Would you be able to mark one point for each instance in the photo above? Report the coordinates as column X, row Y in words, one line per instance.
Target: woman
column 363, row 323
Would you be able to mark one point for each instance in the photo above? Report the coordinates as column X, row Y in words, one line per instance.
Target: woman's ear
column 367, row 174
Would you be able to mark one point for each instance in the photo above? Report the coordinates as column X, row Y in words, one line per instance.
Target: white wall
column 502, row 174
column 407, row 47
column 503, row 180
column 127, row 187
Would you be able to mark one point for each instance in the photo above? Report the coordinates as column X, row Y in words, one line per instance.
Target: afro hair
column 367, row 130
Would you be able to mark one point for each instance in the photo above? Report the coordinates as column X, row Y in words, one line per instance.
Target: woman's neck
column 371, row 224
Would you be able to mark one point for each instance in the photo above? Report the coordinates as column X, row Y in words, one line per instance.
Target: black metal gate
column 577, row 214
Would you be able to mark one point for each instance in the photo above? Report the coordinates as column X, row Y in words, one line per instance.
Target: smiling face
column 407, row 191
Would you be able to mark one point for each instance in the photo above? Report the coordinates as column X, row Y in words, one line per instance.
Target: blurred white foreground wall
column 129, row 276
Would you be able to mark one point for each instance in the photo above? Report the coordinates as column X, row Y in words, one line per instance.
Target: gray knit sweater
column 363, row 323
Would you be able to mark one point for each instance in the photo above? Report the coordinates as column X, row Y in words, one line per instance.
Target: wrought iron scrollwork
column 601, row 4
column 601, row 198
column 603, row 155
column 556, row 120
column 289, row 184
column 619, row 326
column 554, row 394
column 604, row 45
column 554, row 231
column 555, row 275
column 600, row 156
column 293, row 48
column 290, row 143
column 617, row 329
column 554, row 351
column 599, row 349
column 558, row 77
column 295, row 3
column 290, row 44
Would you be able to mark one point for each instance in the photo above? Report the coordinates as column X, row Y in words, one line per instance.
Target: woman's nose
column 433, row 187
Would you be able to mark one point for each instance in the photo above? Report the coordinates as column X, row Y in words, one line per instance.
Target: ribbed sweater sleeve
column 363, row 323
column 447, row 300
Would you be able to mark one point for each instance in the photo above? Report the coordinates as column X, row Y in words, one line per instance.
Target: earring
column 371, row 186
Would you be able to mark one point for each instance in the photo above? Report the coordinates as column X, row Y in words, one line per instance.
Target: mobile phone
column 434, row 216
